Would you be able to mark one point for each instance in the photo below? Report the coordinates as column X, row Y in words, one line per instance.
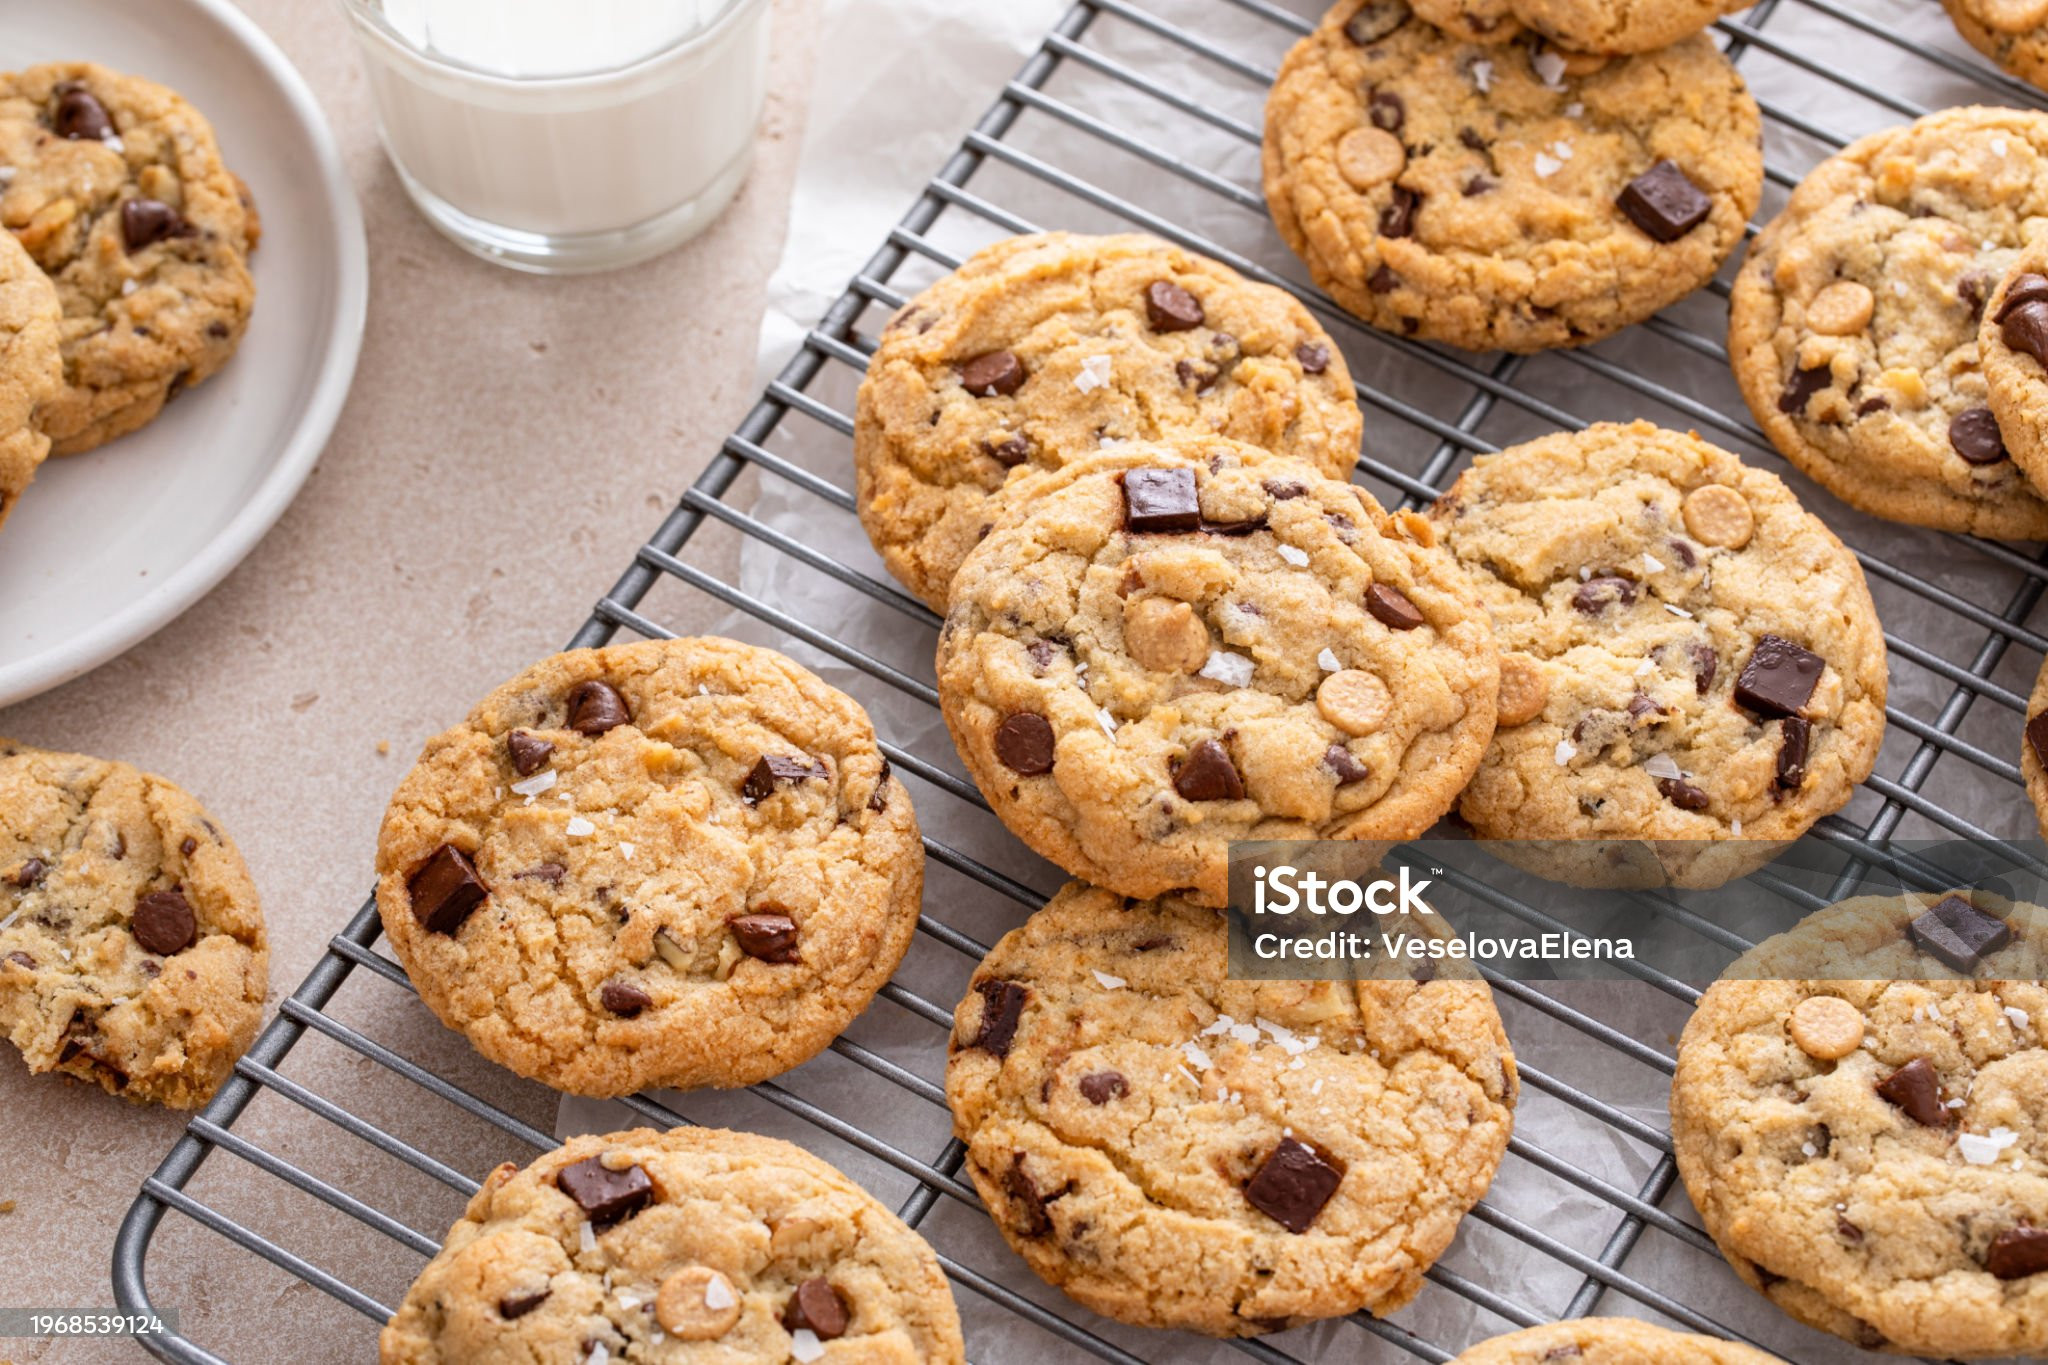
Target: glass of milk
column 562, row 136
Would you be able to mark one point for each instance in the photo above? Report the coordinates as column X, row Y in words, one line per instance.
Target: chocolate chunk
column 24, row 960
column 1973, row 289
column 1375, row 20
column 188, row 846
column 1779, row 678
column 1339, row 760
column 1100, row 1087
column 1682, row 793
column 515, row 1306
column 1207, row 774
column 2025, row 329
column 1383, row 281
column 79, row 116
column 1470, row 138
column 1795, row 738
column 1397, row 219
column 2027, row 288
column 1958, row 933
column 1008, row 453
column 444, row 890
column 164, row 923
column 1024, row 744
column 595, row 707
column 1848, row 1231
column 624, row 998
column 1032, row 1202
column 1875, row 404
column 1293, row 1184
column 1234, row 528
column 148, row 221
column 1200, row 378
column 1283, row 490
column 818, row 1306
column 605, row 1196
column 1973, row 434
column 878, row 800
column 1663, row 202
column 1641, row 707
column 1915, row 1089
column 1161, row 500
column 551, row 873
column 1387, row 110
column 2037, row 736
column 765, row 935
column 992, row 373
column 1002, row 1005
column 529, row 751
column 1391, row 607
column 1602, row 591
column 1705, row 664
column 1803, row 385
column 2017, row 1253
column 1170, row 308
column 31, row 872
column 778, row 770
column 1314, row 358
column 1476, row 185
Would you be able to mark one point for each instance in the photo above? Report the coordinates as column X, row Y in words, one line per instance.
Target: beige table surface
column 507, row 444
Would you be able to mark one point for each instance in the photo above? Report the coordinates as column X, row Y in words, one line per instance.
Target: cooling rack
column 1145, row 114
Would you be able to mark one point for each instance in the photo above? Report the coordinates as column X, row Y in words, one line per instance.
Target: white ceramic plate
column 109, row 546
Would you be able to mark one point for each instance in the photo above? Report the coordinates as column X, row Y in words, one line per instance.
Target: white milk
column 561, row 136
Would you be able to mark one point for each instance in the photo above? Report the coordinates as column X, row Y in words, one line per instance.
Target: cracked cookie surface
column 1040, row 349
column 2012, row 338
column 1505, row 197
column 1853, row 326
column 1175, row 1149
column 1583, row 26
column 1870, row 1153
column 132, row 950
column 672, row 863
column 1609, row 1341
column 31, row 369
column 1686, row 653
column 2012, row 33
column 1186, row 644
column 696, row 1245
column 116, row 188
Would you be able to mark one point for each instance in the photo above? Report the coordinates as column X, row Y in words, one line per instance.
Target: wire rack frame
column 1965, row 664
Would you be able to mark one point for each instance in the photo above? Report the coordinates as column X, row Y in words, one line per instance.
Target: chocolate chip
column 2017, row 1253
column 1160, row 501
column 1795, row 738
column 778, row 770
column 1375, row 20
column 1958, row 933
column 30, row 873
column 1915, row 1089
column 1682, row 793
column 1207, row 774
column 1339, row 760
column 1009, row 453
column 595, row 707
column 1383, row 281
column 1470, row 138
column 1314, row 357
column 992, row 373
column 1803, row 385
column 1200, row 378
column 24, row 960
column 188, row 846
column 552, row 873
column 444, row 890
column 1602, row 591
column 1973, row 434
column 1293, row 1184
column 529, row 751
column 1705, row 664
column 2025, row 329
column 1972, row 290
column 1663, row 202
column 1234, row 528
column 1641, row 707
column 1848, row 1231
column 1476, row 186
column 1002, row 1005
column 1397, row 219
column 1779, row 678
column 164, row 923
column 1870, row 405
column 2026, row 288
column 605, row 1196
column 624, row 998
column 1391, row 608
column 765, row 935
column 816, row 1305
column 1387, row 110
column 1170, row 308
column 2037, row 736
column 79, row 115
column 1032, row 1202
column 148, row 221
column 1100, row 1087
column 515, row 1306
column 1284, row 490
column 1024, row 744
column 878, row 800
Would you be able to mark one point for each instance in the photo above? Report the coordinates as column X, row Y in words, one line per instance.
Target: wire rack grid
column 1099, row 131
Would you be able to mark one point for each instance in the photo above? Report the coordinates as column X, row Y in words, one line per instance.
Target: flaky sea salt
column 1094, row 374
column 1983, row 1149
column 2018, row 1016
column 1652, row 564
column 718, row 1294
column 1663, row 766
column 1197, row 1058
column 1294, row 555
column 1232, row 670
column 1328, row 660
column 1735, row 828
column 535, row 785
column 627, row 848
column 580, row 827
column 1678, row 611
column 1292, row 1043
column 1646, row 668
column 1547, row 165
column 1575, row 110
column 1998, row 146
column 1566, row 751
column 805, row 1346
column 586, row 1236
column 1110, row 983
column 1549, row 67
column 1106, row 721
column 1482, row 75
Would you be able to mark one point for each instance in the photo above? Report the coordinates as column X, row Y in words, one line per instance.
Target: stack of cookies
column 124, row 275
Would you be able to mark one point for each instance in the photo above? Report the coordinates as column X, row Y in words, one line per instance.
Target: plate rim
column 300, row 451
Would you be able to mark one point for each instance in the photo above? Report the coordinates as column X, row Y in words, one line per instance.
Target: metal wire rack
column 1093, row 133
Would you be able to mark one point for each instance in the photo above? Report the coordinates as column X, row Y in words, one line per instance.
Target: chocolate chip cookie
column 696, row 1244
column 1194, row 643
column 1609, row 27
column 2013, row 33
column 1042, row 349
column 1609, row 1341
column 115, row 186
column 132, row 951
column 673, row 863
column 1686, row 653
column 2012, row 342
column 1853, row 327
column 1511, row 197
column 31, row 371
column 1176, row 1149
column 1870, row 1154
column 2034, row 748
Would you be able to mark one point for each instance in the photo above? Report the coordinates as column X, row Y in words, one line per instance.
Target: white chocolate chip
column 1354, row 701
column 1826, row 1027
column 697, row 1304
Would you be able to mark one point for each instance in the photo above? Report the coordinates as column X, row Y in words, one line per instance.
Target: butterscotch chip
column 697, row 1304
column 1354, row 701
column 1718, row 515
column 1827, row 1027
column 1165, row 635
column 1842, row 309
column 1524, row 690
column 1370, row 156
